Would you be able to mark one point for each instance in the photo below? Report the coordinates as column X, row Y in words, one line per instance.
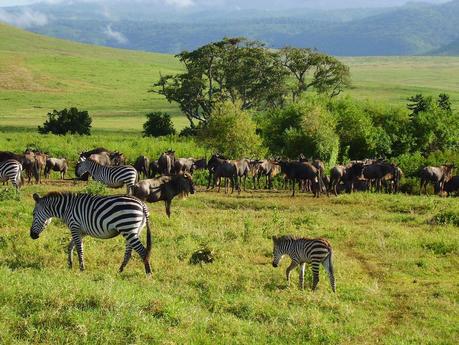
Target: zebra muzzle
column 33, row 235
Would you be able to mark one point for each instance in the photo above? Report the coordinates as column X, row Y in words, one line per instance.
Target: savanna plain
column 395, row 256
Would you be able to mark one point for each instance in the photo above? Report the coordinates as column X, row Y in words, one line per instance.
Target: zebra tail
column 20, row 178
column 148, row 248
column 330, row 265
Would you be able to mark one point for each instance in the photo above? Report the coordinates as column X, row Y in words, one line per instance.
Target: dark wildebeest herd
column 309, row 175
column 170, row 176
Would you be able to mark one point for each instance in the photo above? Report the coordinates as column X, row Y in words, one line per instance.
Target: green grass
column 395, row 274
column 39, row 74
column 396, row 257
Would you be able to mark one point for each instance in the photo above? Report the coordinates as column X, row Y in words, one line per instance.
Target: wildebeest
column 166, row 162
column 104, row 157
column 452, row 186
column 350, row 175
column 117, row 158
column 164, row 188
column 41, row 158
column 56, row 164
column 200, row 164
column 142, row 165
column 302, row 171
column 438, row 176
column 28, row 161
column 184, row 165
column 219, row 168
column 378, row 171
column 153, row 169
column 268, row 168
column 242, row 167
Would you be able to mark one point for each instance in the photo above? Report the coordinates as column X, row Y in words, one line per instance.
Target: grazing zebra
column 112, row 176
column 97, row 216
column 305, row 250
column 10, row 170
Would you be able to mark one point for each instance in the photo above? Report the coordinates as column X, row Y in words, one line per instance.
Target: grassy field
column 396, row 257
column 396, row 262
column 39, row 74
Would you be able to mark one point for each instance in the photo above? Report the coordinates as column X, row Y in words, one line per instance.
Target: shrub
column 307, row 128
column 67, row 121
column 158, row 124
column 231, row 131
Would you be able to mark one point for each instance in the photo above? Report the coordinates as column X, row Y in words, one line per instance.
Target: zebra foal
column 112, row 176
column 11, row 170
column 305, row 250
column 101, row 217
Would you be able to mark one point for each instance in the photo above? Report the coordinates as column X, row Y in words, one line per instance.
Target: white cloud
column 24, row 19
column 180, row 3
column 115, row 35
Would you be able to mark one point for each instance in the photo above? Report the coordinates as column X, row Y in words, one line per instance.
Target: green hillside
column 39, row 74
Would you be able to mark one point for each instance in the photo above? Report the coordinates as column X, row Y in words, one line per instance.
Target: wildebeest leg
column 70, row 254
column 293, row 187
column 217, row 183
column 168, row 207
column 209, row 179
column 127, row 257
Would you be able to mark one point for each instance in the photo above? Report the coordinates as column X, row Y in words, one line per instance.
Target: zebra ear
column 36, row 197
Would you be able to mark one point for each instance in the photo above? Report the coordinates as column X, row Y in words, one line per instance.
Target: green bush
column 232, row 132
column 158, row 125
column 67, row 121
column 306, row 127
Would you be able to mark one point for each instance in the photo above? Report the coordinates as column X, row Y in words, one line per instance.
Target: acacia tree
column 312, row 69
column 234, row 69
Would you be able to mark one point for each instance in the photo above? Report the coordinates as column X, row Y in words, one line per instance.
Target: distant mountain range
column 412, row 29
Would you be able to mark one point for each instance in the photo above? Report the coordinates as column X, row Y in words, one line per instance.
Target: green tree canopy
column 247, row 73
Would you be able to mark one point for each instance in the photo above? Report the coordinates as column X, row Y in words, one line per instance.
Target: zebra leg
column 127, row 257
column 76, row 238
column 302, row 267
column 134, row 242
column 289, row 270
column 70, row 254
column 315, row 274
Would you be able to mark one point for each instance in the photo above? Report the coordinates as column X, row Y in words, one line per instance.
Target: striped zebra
column 305, row 250
column 97, row 216
column 10, row 170
column 112, row 176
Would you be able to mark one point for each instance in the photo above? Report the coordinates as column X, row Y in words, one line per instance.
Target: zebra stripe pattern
column 305, row 250
column 10, row 170
column 101, row 217
column 112, row 176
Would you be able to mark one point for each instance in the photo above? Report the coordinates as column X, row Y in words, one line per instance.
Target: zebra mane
column 57, row 194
